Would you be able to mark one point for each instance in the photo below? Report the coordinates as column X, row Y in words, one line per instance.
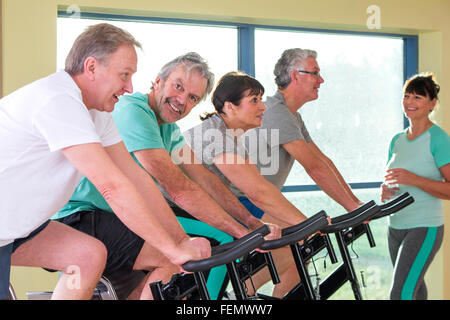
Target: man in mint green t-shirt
column 203, row 204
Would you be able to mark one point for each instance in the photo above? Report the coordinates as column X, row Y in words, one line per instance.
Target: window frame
column 246, row 56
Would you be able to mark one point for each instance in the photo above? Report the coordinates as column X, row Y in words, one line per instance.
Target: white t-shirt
column 36, row 122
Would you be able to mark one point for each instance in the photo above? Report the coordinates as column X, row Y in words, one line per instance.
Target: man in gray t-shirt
column 283, row 137
column 279, row 126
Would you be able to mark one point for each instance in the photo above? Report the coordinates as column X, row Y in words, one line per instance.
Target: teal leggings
column 217, row 275
column 412, row 251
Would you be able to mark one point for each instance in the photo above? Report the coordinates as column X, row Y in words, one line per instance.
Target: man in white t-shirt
column 58, row 129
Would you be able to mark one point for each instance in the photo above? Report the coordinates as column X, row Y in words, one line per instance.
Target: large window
column 359, row 104
column 357, row 113
column 162, row 42
column 352, row 121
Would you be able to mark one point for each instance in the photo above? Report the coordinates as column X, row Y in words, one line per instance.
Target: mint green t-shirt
column 139, row 130
column 422, row 156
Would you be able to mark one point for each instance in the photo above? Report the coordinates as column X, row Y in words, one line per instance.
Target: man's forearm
column 229, row 202
column 193, row 199
column 345, row 185
column 333, row 184
column 156, row 201
column 148, row 190
column 323, row 171
column 130, row 207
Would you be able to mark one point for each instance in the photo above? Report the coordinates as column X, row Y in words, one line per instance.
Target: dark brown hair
column 232, row 87
column 423, row 84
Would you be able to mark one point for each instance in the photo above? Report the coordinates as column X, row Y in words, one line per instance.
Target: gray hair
column 289, row 61
column 98, row 41
column 190, row 61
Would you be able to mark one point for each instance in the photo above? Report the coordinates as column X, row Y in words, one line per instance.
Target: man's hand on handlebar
column 202, row 243
column 190, row 249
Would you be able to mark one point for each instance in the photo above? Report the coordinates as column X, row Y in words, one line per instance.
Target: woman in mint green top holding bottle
column 419, row 163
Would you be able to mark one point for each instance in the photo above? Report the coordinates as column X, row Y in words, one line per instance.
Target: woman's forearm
column 272, row 201
column 438, row 189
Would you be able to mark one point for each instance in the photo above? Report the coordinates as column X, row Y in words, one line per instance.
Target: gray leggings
column 412, row 251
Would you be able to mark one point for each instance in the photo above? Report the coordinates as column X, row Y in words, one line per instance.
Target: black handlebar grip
column 309, row 229
column 352, row 222
column 394, row 207
column 291, row 229
column 393, row 202
column 353, row 213
column 225, row 257
column 264, row 230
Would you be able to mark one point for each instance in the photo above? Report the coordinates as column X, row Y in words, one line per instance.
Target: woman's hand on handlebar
column 275, row 232
column 318, row 232
column 315, row 233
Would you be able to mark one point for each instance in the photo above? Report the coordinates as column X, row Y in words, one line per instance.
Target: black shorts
column 5, row 259
column 123, row 245
column 18, row 242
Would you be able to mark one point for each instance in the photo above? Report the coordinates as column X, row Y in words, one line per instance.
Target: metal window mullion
column 246, row 49
column 410, row 62
column 314, row 187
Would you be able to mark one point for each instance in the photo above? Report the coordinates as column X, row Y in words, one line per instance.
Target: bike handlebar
column 310, row 226
column 291, row 229
column 225, row 257
column 264, row 230
column 395, row 205
column 351, row 220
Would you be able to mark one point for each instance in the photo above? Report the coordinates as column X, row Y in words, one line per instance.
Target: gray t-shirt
column 264, row 144
column 212, row 138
